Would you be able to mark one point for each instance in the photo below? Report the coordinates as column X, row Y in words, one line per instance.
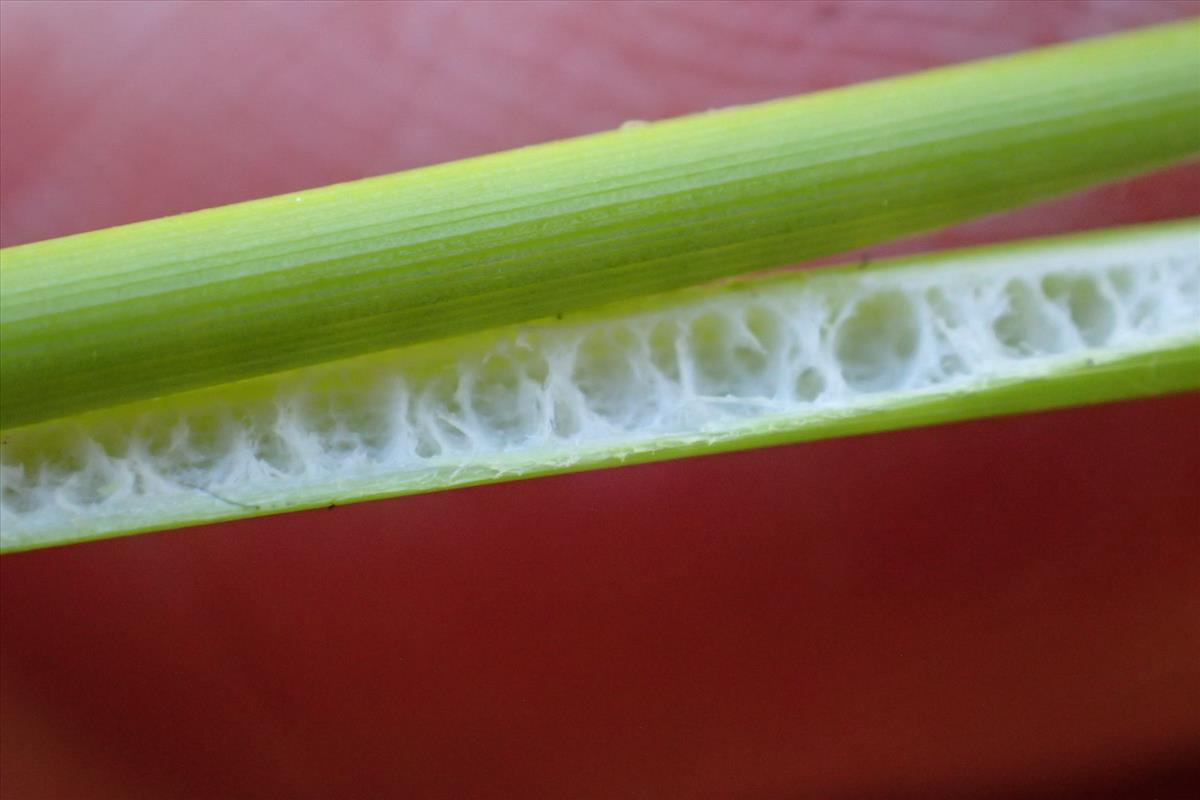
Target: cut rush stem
column 754, row 362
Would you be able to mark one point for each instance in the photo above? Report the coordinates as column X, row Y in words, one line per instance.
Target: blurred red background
column 1000, row 608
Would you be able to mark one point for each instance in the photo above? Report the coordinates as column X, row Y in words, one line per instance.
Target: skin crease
column 1002, row 608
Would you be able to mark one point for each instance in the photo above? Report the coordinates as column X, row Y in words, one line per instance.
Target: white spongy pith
column 704, row 364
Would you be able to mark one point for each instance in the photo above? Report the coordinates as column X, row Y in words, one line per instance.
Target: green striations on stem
column 133, row 312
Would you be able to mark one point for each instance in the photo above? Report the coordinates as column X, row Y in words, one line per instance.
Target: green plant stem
column 754, row 362
column 154, row 308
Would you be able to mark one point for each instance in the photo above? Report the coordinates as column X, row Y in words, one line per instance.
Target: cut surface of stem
column 160, row 307
column 784, row 358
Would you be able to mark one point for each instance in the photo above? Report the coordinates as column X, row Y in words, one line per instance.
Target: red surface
column 1007, row 606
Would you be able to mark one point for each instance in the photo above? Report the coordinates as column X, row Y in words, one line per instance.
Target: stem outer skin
column 150, row 309
column 1091, row 375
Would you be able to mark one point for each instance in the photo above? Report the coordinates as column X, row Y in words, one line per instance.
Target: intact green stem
column 128, row 313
